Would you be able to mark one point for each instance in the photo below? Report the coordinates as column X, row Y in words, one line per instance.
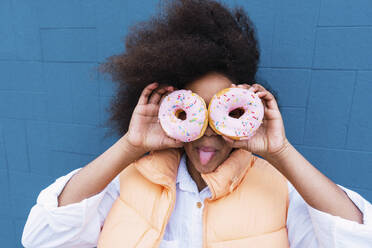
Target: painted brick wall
column 316, row 54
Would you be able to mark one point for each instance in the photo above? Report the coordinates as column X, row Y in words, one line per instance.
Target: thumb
column 169, row 142
column 228, row 140
column 235, row 143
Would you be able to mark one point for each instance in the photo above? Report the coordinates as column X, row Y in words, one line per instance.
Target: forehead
column 209, row 85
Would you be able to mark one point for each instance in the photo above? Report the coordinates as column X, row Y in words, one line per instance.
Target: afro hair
column 186, row 40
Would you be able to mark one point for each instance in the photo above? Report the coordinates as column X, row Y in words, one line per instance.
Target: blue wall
column 316, row 54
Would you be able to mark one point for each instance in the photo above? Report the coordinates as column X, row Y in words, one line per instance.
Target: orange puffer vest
column 248, row 207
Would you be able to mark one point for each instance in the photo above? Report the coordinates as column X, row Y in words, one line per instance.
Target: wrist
column 280, row 154
column 128, row 146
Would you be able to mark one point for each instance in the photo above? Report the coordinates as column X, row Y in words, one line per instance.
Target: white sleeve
column 309, row 227
column 74, row 225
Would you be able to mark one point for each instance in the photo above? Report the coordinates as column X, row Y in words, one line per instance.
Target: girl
column 148, row 190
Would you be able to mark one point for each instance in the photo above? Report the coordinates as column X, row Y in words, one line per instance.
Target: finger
column 235, row 143
column 269, row 99
column 228, row 140
column 233, row 85
column 156, row 95
column 254, row 88
column 264, row 93
column 147, row 92
column 259, row 87
column 244, row 86
column 169, row 90
column 173, row 143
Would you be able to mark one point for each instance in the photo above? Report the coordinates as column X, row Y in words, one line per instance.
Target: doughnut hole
column 236, row 113
column 180, row 114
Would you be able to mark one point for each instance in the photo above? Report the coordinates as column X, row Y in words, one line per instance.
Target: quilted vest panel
column 252, row 214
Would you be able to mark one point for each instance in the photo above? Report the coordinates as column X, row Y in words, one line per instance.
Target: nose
column 209, row 131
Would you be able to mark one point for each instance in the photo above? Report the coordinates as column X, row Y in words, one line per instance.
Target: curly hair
column 187, row 40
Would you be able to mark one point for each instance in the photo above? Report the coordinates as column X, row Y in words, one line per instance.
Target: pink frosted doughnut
column 196, row 121
column 224, row 102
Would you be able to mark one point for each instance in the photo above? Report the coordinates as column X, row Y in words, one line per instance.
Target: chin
column 204, row 169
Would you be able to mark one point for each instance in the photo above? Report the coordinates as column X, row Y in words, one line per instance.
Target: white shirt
column 79, row 224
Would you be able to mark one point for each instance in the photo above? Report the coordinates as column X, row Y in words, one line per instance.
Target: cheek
column 225, row 152
column 189, row 149
column 226, row 146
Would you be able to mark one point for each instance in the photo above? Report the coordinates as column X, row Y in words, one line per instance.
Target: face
column 209, row 151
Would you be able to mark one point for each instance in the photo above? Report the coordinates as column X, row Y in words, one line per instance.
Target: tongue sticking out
column 205, row 156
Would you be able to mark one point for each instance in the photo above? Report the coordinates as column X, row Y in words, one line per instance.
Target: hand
column 269, row 138
column 144, row 132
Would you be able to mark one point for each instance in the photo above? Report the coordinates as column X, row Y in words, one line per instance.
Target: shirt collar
column 161, row 167
column 184, row 179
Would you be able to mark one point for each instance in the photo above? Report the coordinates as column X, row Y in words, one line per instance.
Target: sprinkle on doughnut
column 196, row 121
column 236, row 128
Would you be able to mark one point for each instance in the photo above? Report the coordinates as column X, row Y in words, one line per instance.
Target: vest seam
column 243, row 178
column 283, row 178
column 205, row 211
column 134, row 210
column 168, row 214
column 251, row 236
column 140, row 238
column 245, row 172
